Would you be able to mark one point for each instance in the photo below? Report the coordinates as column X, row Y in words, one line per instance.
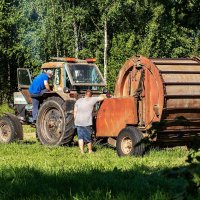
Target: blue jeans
column 84, row 133
column 36, row 101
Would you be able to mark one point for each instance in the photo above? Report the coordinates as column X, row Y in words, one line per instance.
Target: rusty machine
column 153, row 96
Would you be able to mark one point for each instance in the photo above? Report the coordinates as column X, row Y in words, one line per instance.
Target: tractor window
column 24, row 77
column 84, row 73
column 57, row 76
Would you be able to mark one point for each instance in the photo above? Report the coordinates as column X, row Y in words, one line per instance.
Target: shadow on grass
column 26, row 142
column 141, row 183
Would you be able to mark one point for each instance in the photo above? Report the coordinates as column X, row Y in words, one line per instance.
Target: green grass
column 29, row 170
column 4, row 108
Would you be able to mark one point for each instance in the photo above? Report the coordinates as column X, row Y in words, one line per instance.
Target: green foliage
column 122, row 48
column 33, row 31
column 190, row 174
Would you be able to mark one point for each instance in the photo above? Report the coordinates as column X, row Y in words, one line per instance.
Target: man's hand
column 102, row 97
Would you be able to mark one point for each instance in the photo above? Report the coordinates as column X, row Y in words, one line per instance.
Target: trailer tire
column 126, row 141
column 55, row 124
column 7, row 130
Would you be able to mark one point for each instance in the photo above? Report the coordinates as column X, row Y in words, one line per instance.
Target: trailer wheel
column 7, row 130
column 55, row 123
column 126, row 141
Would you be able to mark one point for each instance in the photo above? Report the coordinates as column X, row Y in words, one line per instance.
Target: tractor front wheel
column 18, row 126
column 7, row 130
column 128, row 142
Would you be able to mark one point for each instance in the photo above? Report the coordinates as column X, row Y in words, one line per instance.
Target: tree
column 112, row 31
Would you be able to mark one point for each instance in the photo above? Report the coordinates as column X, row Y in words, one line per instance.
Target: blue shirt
column 38, row 83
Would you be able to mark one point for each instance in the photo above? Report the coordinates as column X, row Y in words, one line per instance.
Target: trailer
column 156, row 97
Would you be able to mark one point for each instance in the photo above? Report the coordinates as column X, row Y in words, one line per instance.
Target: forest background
column 32, row 31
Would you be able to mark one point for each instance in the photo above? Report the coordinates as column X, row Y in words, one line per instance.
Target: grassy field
column 29, row 170
column 5, row 108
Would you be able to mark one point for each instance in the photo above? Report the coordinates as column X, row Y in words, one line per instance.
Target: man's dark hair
column 88, row 93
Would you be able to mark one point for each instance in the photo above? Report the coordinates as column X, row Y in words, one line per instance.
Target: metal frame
column 23, row 86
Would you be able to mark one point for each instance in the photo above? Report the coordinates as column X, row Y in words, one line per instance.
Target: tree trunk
column 76, row 38
column 9, row 81
column 55, row 27
column 105, row 49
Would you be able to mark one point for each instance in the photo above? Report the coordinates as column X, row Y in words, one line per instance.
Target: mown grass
column 29, row 170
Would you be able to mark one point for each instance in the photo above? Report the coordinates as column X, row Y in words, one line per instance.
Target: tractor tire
column 55, row 122
column 18, row 126
column 7, row 130
column 126, row 141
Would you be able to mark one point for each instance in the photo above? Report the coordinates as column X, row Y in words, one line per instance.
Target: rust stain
column 115, row 114
column 52, row 65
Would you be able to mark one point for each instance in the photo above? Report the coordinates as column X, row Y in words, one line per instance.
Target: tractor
column 55, row 122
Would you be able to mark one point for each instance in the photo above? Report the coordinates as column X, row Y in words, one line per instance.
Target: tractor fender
column 62, row 95
column 69, row 102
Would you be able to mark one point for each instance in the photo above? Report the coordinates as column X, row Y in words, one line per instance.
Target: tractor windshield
column 85, row 74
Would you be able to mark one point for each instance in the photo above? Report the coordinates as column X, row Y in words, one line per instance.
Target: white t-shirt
column 84, row 108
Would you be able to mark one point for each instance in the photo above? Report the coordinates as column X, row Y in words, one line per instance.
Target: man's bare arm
column 46, row 84
column 102, row 97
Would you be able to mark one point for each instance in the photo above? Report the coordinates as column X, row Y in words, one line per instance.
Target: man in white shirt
column 83, row 118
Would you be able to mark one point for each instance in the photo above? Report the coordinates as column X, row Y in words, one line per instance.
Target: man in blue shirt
column 37, row 88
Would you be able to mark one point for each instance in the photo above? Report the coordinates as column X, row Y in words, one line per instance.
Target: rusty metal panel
column 140, row 78
column 182, row 113
column 153, row 99
column 181, row 77
column 183, row 89
column 122, row 86
column 183, row 102
column 114, row 114
column 171, row 60
column 181, row 68
column 52, row 65
column 177, row 137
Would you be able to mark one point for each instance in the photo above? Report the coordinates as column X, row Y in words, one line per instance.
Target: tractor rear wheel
column 55, row 124
column 126, row 141
column 7, row 130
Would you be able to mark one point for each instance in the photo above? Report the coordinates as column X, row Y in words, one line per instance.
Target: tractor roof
column 52, row 65
column 59, row 61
